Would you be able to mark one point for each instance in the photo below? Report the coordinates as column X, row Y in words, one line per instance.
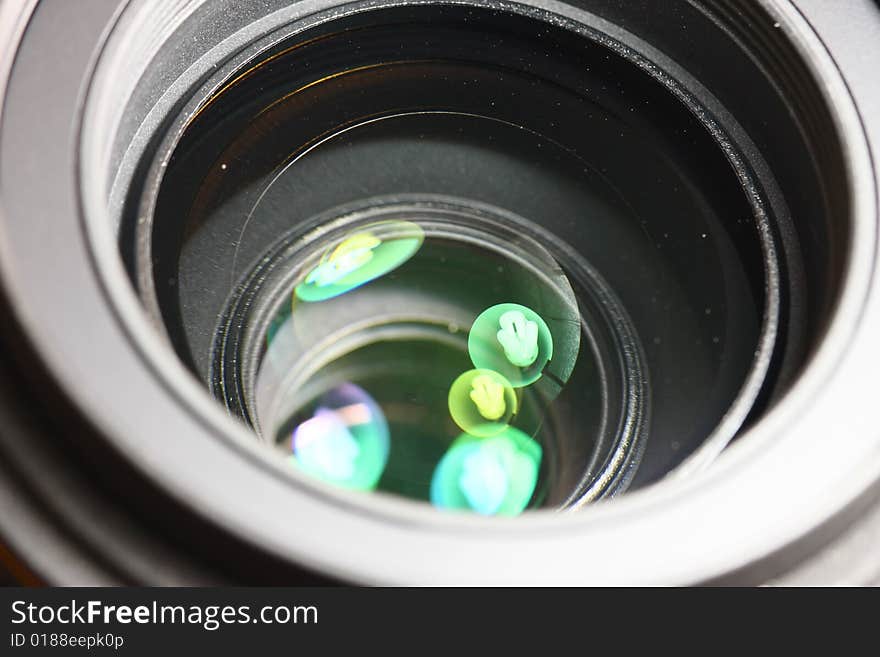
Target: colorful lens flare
column 482, row 402
column 490, row 476
column 362, row 256
column 512, row 340
column 345, row 441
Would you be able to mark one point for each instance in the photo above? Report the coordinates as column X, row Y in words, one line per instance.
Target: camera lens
column 427, row 230
column 469, row 282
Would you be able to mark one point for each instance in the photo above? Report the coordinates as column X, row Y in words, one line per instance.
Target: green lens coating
column 491, row 476
column 512, row 340
column 482, row 402
column 360, row 257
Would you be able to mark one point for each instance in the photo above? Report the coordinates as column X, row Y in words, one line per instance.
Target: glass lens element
column 388, row 329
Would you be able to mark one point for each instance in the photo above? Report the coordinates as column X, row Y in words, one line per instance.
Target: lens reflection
column 482, row 402
column 513, row 340
column 361, row 257
column 491, row 476
column 345, row 441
